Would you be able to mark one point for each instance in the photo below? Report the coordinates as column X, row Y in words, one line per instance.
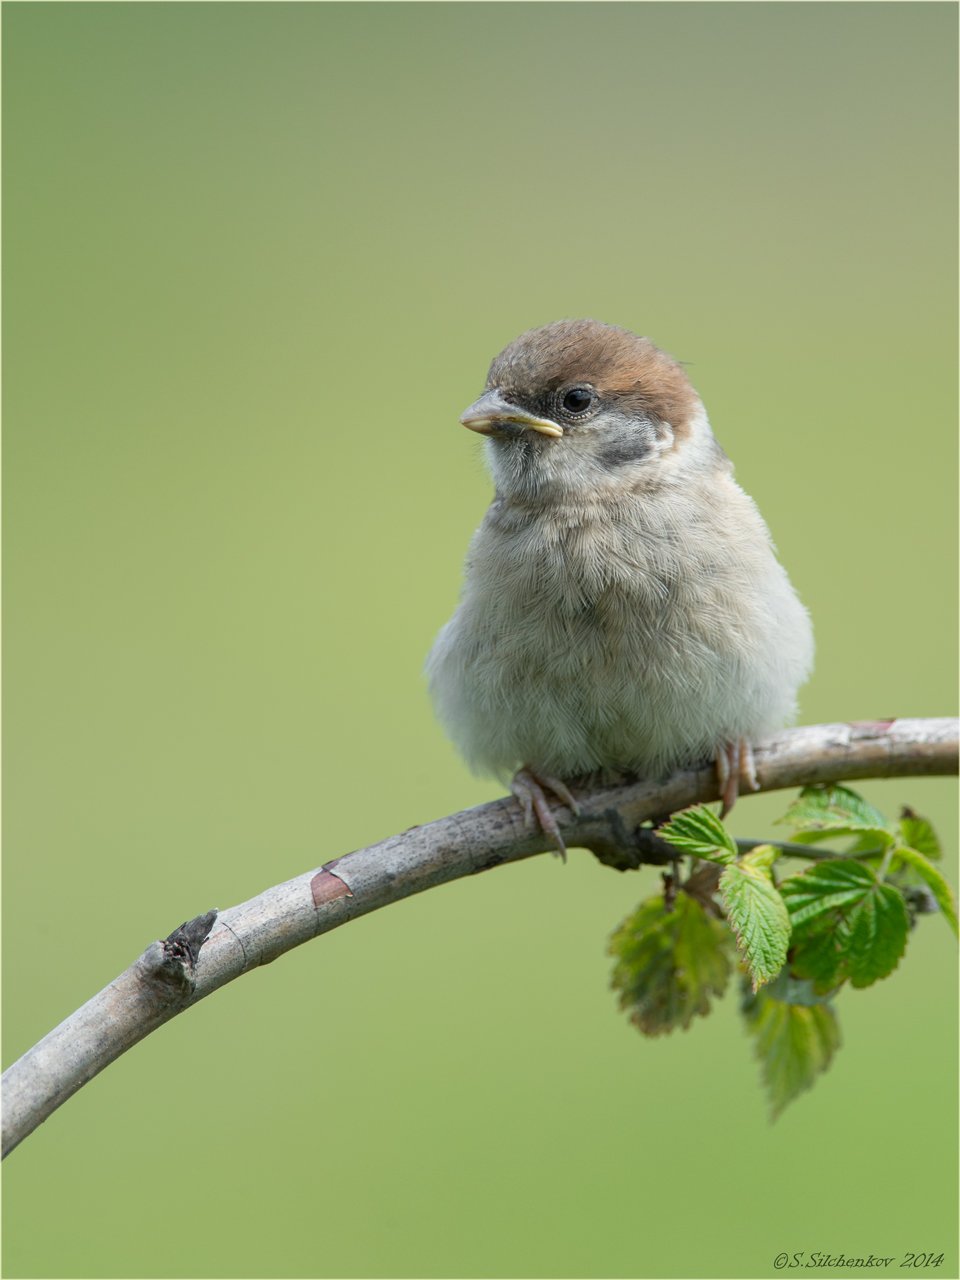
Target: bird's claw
column 530, row 788
column 735, row 761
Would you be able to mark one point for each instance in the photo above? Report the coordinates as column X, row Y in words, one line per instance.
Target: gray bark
column 211, row 950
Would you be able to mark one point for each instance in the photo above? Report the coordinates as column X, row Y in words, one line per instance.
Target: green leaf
column 794, row 1042
column 876, row 935
column 669, row 963
column 834, row 811
column 917, row 833
column 933, row 880
column 700, row 832
column 817, row 956
column 824, row 887
column 867, row 921
column 837, row 833
column 866, row 842
column 760, row 858
column 757, row 914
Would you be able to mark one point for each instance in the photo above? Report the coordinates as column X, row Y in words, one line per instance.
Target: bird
column 623, row 610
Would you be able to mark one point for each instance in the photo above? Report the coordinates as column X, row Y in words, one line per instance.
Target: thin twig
column 210, row 951
column 791, row 849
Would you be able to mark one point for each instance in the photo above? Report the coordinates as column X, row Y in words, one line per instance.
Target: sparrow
column 623, row 611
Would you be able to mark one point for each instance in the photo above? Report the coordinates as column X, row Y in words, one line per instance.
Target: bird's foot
column 530, row 787
column 735, row 762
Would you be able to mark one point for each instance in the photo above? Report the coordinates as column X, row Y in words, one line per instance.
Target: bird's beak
column 486, row 414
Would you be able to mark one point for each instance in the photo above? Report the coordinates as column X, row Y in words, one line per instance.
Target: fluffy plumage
column 623, row 608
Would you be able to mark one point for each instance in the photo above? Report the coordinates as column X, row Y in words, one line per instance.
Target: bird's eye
column 578, row 399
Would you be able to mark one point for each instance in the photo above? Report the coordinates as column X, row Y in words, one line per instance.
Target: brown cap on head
column 614, row 361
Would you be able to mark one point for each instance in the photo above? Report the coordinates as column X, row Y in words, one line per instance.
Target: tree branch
column 206, row 953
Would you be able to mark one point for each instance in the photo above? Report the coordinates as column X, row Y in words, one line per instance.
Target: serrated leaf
column 699, row 831
column 933, row 880
column 825, row 887
column 866, row 920
column 917, row 833
column 817, row 957
column 876, row 935
column 794, row 1043
column 834, row 811
column 761, row 858
column 759, row 918
column 669, row 963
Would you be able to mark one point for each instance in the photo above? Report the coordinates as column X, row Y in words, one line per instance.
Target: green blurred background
column 257, row 259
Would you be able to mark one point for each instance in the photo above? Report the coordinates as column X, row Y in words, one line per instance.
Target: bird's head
column 578, row 406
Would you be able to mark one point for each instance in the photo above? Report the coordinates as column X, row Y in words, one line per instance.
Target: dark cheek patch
column 631, row 446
